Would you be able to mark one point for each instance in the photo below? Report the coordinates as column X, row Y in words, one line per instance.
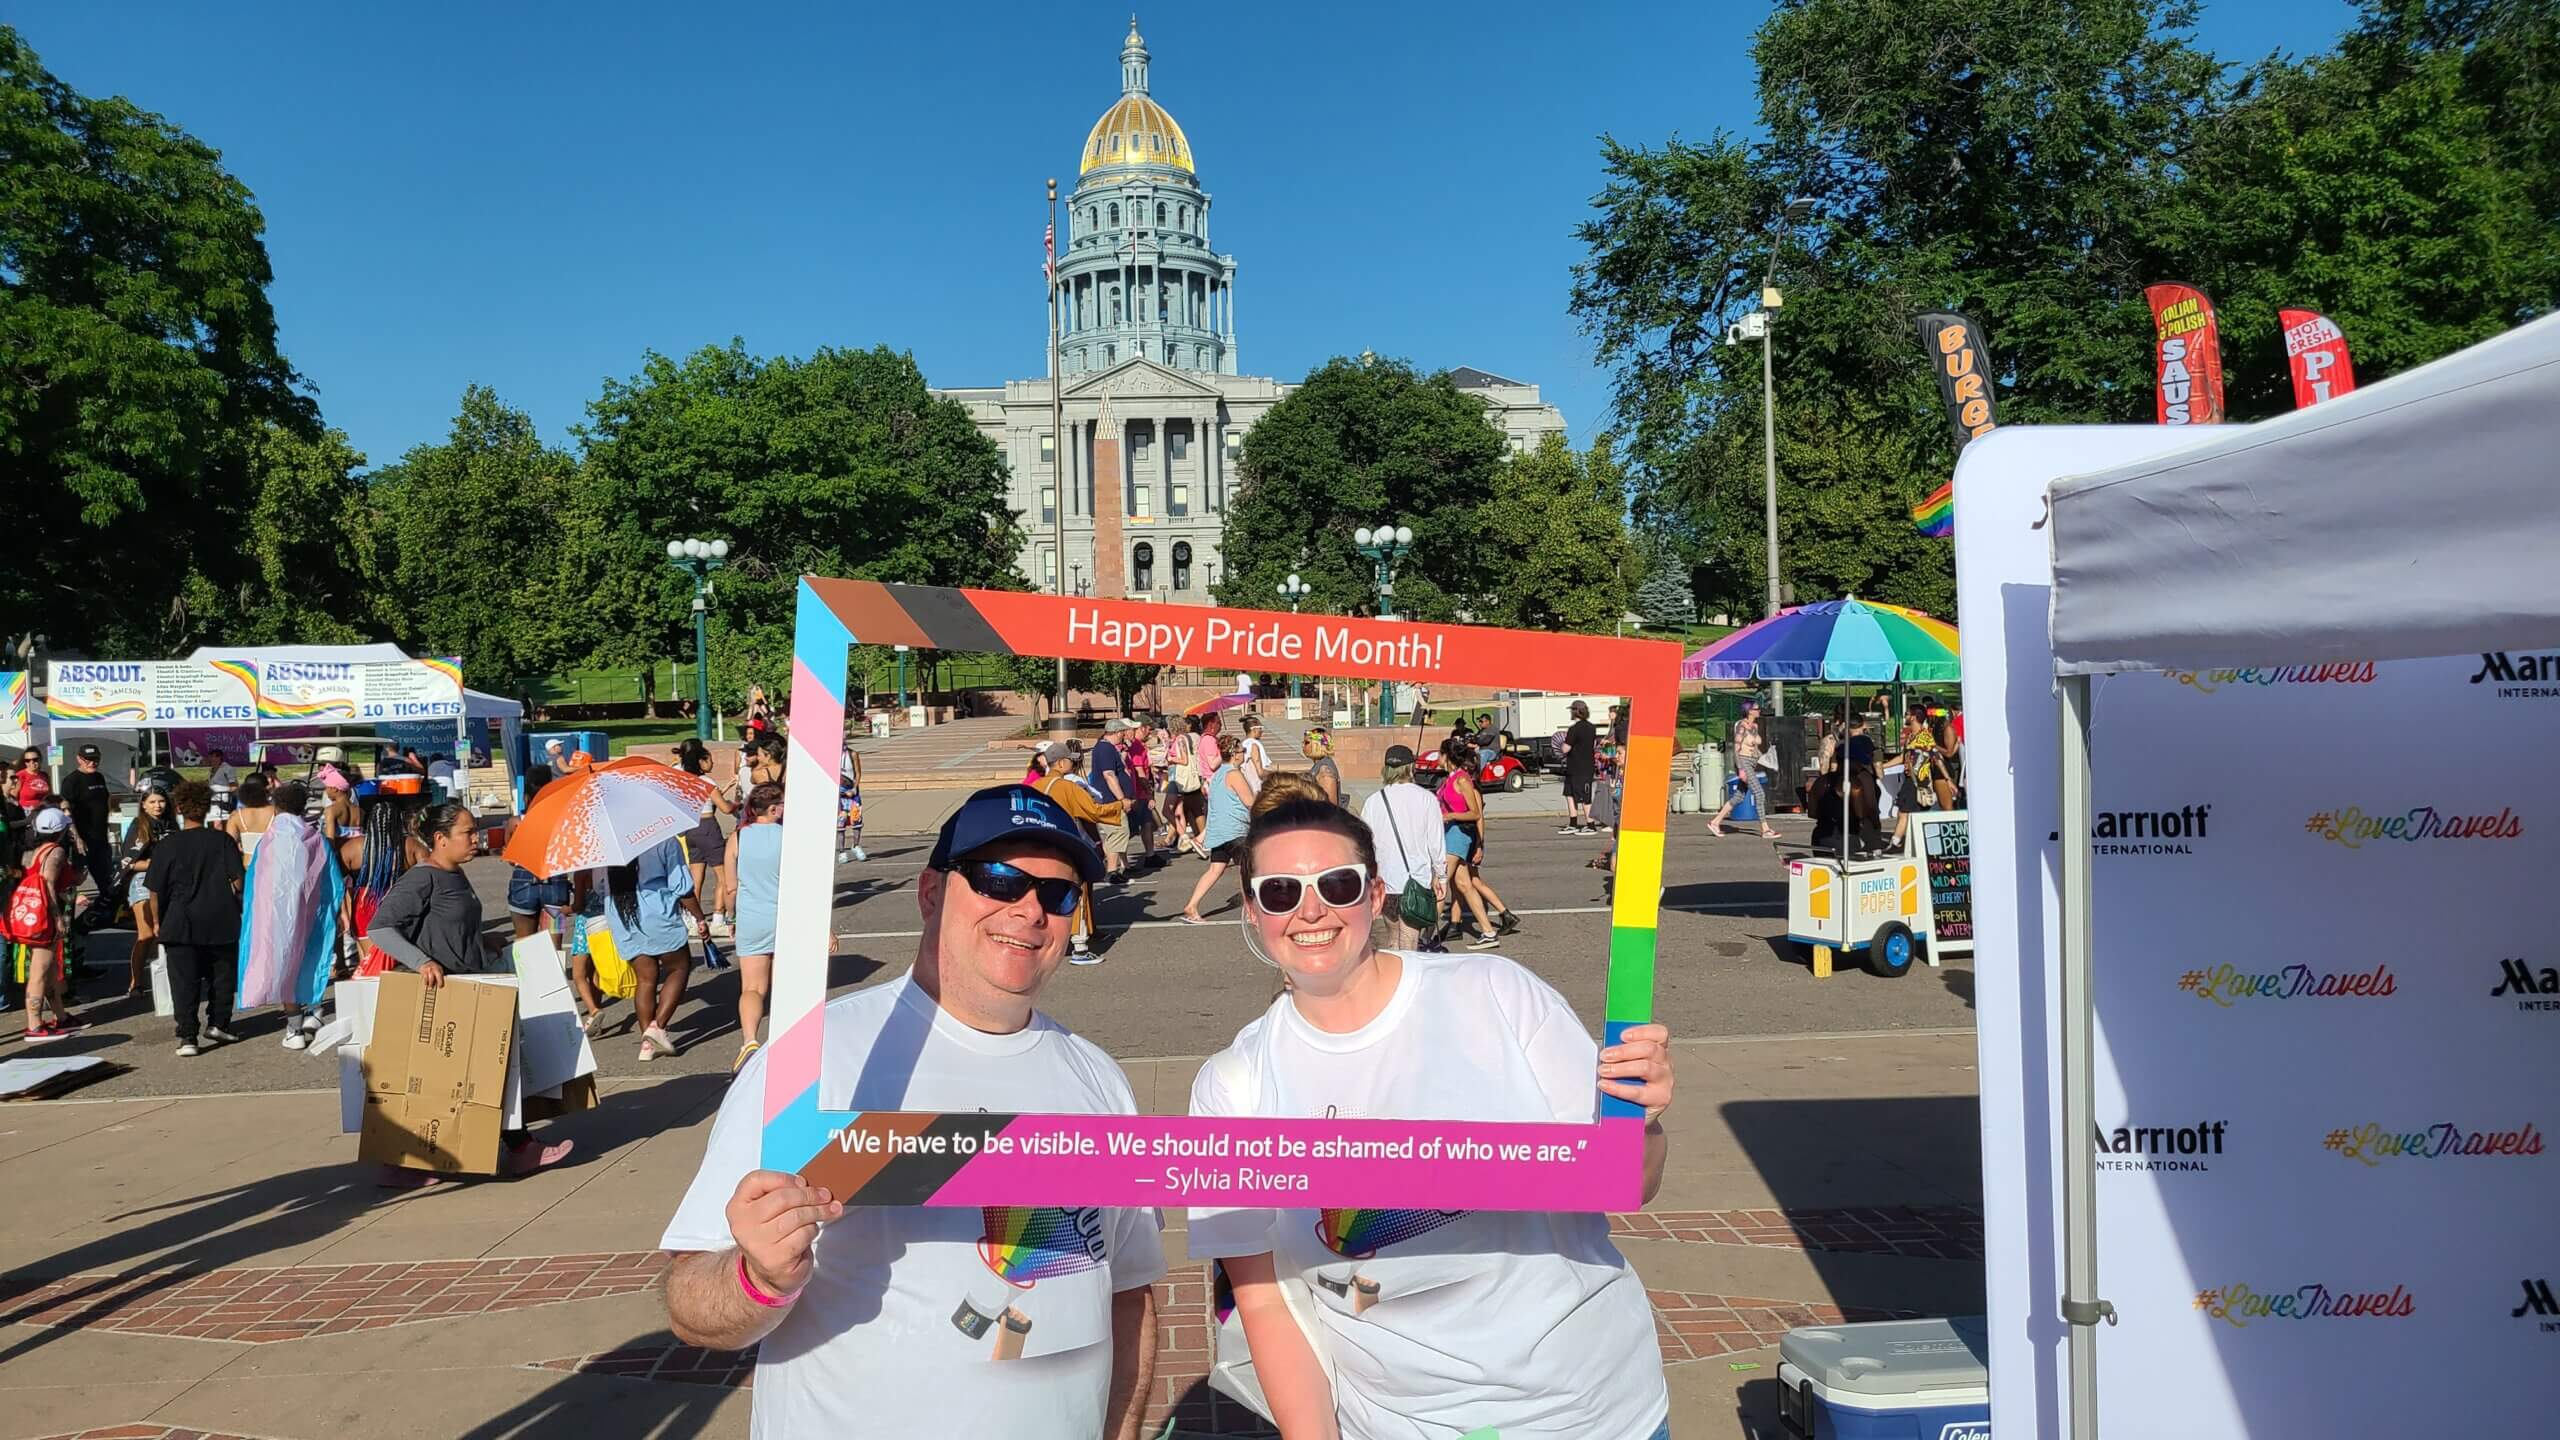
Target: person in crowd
column 445, row 776
column 706, row 845
column 86, row 796
column 1108, row 765
column 647, row 902
column 249, row 819
column 29, row 785
column 1416, row 848
column 1487, row 739
column 292, row 898
column 1317, row 746
column 430, row 923
column 1283, row 787
column 342, row 825
column 1077, row 798
column 196, row 876
column 39, row 902
column 849, row 807
column 535, row 904
column 760, row 762
column 586, row 919
column 1747, row 749
column 1038, row 768
column 1252, row 754
column 759, row 721
column 1230, row 811
column 1141, row 754
column 1462, row 834
column 384, row 855
column 1443, row 1322
column 556, row 755
column 1581, row 767
column 152, row 821
column 855, row 1306
column 225, row 781
column 751, row 891
column 1192, row 762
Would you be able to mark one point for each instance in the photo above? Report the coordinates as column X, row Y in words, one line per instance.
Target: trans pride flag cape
column 289, row 918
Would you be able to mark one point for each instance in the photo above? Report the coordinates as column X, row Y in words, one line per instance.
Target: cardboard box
column 576, row 1095
column 437, row 1075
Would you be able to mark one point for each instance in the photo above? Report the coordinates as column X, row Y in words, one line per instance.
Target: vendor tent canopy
column 476, row 705
column 2411, row 518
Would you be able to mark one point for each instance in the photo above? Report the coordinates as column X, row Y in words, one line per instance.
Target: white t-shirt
column 897, row 1332
column 1445, row 1322
column 1417, row 835
column 1256, row 759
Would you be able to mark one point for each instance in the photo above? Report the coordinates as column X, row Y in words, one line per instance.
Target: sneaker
column 1570, row 830
column 187, row 1050
column 533, row 1155
column 593, row 1022
column 844, row 857
column 219, row 1036
column 858, row 855
column 1484, row 942
column 294, row 1039
column 39, row 1034
column 394, row 1177
column 648, row 1049
column 1506, row 923
column 744, row 1051
column 720, row 927
column 666, row 1042
column 310, row 1022
column 1078, row 955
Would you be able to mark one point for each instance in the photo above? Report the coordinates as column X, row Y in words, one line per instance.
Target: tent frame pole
column 2081, row 1307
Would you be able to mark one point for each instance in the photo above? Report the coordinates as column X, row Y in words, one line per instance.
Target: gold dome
column 1136, row 131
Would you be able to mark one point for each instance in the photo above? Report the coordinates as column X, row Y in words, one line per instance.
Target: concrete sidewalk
column 221, row 1266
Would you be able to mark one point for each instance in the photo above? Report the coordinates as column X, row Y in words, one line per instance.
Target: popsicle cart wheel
column 1892, row 950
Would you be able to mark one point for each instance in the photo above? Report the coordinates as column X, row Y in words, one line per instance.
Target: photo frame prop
column 965, row 1159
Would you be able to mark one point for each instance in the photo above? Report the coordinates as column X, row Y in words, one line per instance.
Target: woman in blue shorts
column 751, row 891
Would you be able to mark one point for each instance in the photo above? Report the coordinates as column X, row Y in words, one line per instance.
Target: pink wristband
column 770, row 1302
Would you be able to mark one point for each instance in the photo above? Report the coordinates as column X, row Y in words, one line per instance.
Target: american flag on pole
column 1049, row 242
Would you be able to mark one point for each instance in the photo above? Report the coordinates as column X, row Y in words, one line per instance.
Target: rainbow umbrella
column 1843, row 640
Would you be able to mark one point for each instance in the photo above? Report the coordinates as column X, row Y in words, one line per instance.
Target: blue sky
column 531, row 196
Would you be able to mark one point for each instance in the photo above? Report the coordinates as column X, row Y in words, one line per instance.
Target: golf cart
column 1499, row 772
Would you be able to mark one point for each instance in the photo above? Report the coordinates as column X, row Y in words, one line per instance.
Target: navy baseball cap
column 1014, row 812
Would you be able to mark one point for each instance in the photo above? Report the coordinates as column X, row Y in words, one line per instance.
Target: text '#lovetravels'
column 2239, row 1306
column 2354, row 829
column 2227, row 985
column 2371, row 1144
column 2345, row 672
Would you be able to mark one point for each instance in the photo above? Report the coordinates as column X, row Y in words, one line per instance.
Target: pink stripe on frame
column 817, row 728
column 792, row 1062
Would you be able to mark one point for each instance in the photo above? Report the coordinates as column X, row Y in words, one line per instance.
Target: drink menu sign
column 1945, row 841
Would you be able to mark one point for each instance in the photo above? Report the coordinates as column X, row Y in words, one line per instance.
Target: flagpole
column 1057, row 431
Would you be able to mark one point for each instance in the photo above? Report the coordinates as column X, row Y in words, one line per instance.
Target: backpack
column 31, row 903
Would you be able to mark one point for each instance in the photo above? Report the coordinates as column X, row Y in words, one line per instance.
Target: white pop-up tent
column 2414, row 518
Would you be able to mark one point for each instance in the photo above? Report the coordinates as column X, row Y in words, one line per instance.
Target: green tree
column 470, row 540
column 1664, row 597
column 840, row 464
column 1557, row 520
column 1361, row 442
column 138, row 368
column 2034, row 163
column 308, row 538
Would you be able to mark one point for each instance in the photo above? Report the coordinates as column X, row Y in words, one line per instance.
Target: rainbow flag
column 1358, row 1234
column 1936, row 516
column 1025, row 1244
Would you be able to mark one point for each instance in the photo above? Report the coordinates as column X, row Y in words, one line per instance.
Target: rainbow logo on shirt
column 1359, row 1234
column 1025, row 1244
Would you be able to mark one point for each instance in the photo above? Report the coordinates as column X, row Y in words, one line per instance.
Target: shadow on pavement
column 176, row 1241
column 609, row 1404
column 1750, row 899
column 1873, row 1180
column 1959, row 983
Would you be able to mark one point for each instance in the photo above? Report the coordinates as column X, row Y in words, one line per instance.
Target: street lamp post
column 1756, row 326
column 1385, row 545
column 1294, row 590
column 699, row 558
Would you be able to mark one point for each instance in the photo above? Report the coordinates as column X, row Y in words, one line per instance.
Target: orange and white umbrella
column 607, row 815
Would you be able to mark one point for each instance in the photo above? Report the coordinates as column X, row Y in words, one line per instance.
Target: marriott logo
column 2520, row 677
column 2533, row 989
column 2538, row 1303
column 2160, row 1147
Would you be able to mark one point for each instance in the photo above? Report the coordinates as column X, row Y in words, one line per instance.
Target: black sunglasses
column 1341, row 887
column 1005, row 885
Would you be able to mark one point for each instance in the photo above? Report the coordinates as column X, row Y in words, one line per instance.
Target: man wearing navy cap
column 907, row 1321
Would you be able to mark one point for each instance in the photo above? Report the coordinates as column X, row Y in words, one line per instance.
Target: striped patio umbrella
column 606, row 815
column 1858, row 641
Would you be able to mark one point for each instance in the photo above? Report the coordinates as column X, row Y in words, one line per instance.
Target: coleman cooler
column 1891, row 1380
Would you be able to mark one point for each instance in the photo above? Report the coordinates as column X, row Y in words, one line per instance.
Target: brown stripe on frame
column 949, row 618
column 845, row 1168
column 868, row 610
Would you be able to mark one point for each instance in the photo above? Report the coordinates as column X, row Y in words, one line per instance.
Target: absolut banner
column 2187, row 354
column 2327, row 1058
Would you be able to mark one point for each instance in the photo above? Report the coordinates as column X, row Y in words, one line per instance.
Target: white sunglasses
column 1340, row 886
